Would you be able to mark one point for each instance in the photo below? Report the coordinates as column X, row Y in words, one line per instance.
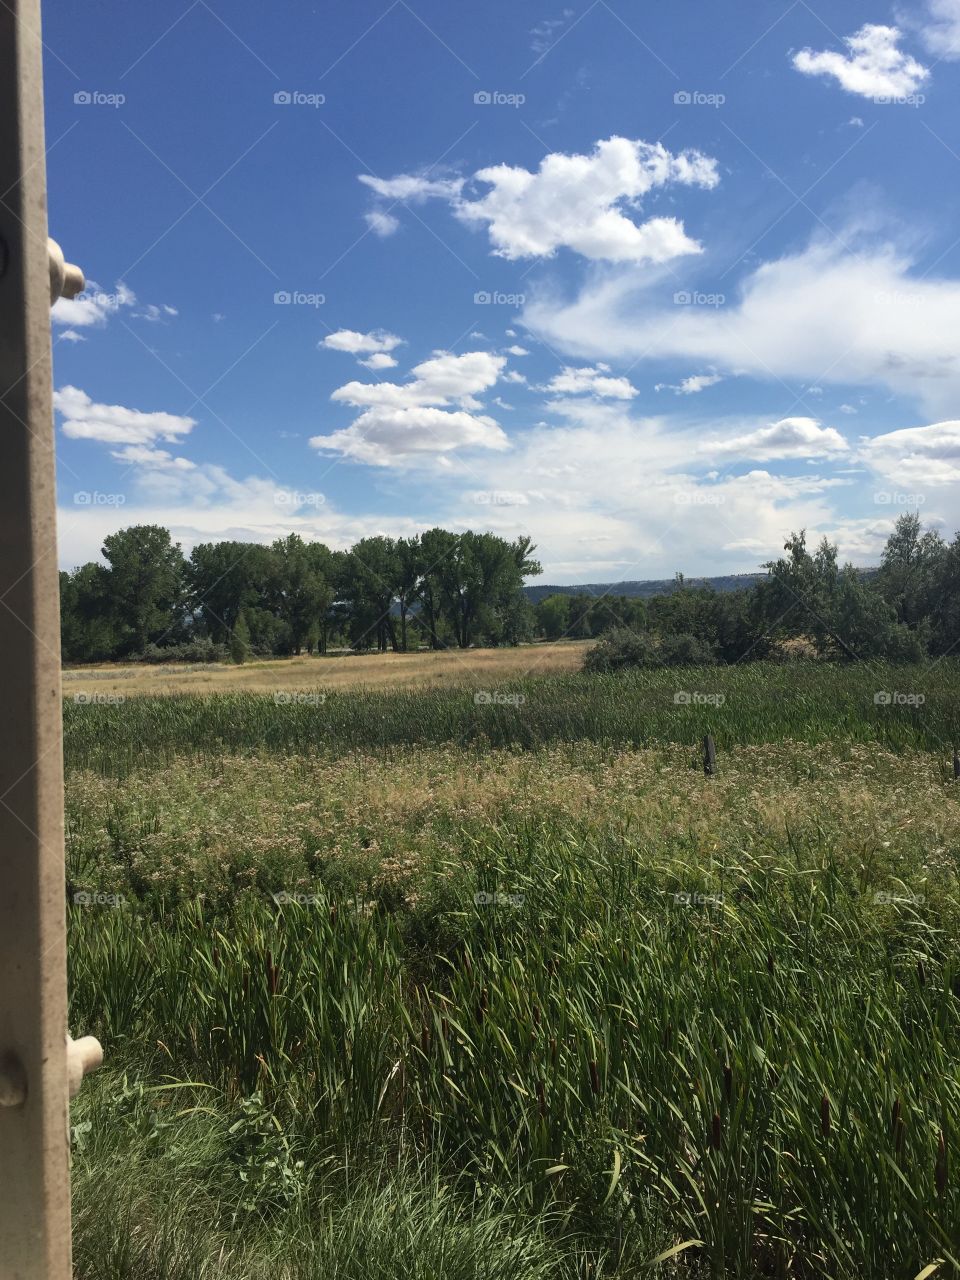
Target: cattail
column 246, row 984
column 594, row 1077
column 715, row 1131
column 444, row 1028
column 668, row 1036
column 551, row 967
column 271, row 974
column 216, row 956
column 899, row 1136
column 484, row 1004
column 541, row 1098
column 921, row 974
column 769, row 962
column 553, row 1048
column 940, row 1172
column 728, row 1081
column 535, row 1015
column 425, row 1039
column 825, row 1116
column 895, row 1116
column 467, row 965
column 334, row 912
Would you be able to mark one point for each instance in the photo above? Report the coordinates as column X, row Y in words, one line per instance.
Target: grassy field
column 340, row 671
column 407, row 985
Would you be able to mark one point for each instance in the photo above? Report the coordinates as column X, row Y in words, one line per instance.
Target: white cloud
column 938, row 27
column 141, row 455
column 379, row 360
column 381, row 223
column 874, row 67
column 387, row 436
column 917, row 455
column 154, row 313
column 517, row 351
column 788, row 438
column 821, row 315
column 592, row 381
column 572, row 201
column 361, row 343
column 512, row 375
column 691, row 386
column 542, row 35
column 412, row 421
column 93, row 307
column 114, row 424
column 71, row 335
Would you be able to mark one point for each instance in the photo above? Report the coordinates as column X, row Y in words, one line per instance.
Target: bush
column 619, row 649
column 199, row 650
column 684, row 650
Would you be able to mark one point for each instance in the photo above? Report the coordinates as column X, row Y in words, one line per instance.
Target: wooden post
column 34, row 1142
column 709, row 756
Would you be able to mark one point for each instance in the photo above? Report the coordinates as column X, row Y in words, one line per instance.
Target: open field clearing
column 513, row 1005
column 425, row 669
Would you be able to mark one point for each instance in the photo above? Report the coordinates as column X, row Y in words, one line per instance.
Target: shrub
column 621, row 648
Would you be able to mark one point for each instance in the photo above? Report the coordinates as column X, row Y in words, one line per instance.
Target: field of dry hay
column 427, row 669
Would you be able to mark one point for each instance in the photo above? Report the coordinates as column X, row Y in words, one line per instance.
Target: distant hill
column 650, row 587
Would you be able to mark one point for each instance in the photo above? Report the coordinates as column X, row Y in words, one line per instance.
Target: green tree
column 240, row 640
column 145, row 584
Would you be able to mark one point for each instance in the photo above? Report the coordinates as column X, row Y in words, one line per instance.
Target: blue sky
column 655, row 284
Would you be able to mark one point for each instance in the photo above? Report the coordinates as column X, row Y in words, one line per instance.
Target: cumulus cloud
column 788, row 438
column 823, row 315
column 349, row 340
column 579, row 202
column 917, row 455
column 874, row 67
column 113, row 423
column 409, row 421
column 590, row 381
column 517, row 351
column 379, row 360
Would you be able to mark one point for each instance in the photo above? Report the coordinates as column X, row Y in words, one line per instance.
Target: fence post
column 34, row 1139
column 709, row 756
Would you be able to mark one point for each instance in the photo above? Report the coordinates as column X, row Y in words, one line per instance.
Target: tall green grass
column 756, row 1052
column 747, row 704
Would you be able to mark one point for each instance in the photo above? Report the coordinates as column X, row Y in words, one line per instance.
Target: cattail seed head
column 769, row 962
column 728, row 1081
column 553, row 1048
column 715, row 1131
column 825, row 1116
column 921, row 974
column 594, row 1078
column 940, row 1172
column 895, row 1116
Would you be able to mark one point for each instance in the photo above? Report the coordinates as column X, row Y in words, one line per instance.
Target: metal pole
column 34, row 1055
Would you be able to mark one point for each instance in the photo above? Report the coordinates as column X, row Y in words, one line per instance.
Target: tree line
column 148, row 601
column 905, row 610
column 442, row 589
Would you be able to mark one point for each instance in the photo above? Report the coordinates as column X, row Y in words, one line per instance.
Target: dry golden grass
column 428, row 670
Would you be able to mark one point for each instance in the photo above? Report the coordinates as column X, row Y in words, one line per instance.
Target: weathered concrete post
column 34, row 1151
